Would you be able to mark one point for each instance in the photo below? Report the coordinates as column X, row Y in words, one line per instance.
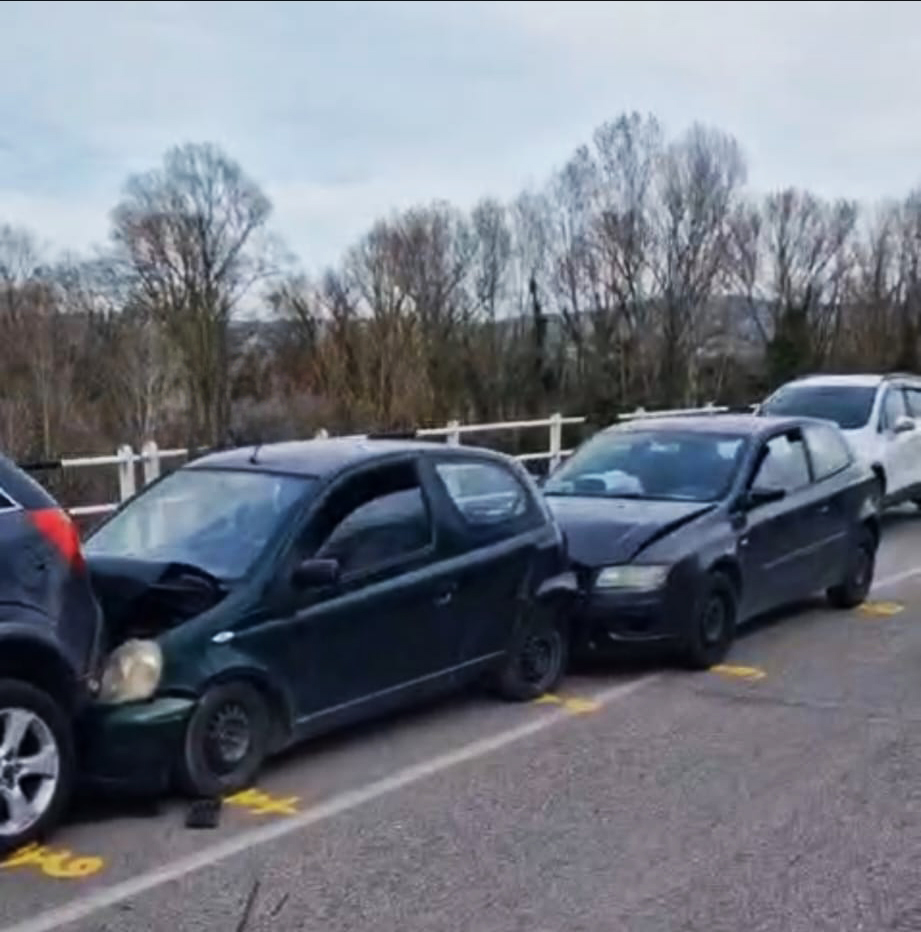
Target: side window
column 486, row 494
column 913, row 397
column 893, row 408
column 829, row 451
column 783, row 464
column 376, row 518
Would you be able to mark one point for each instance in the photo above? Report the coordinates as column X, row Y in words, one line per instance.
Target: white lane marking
column 895, row 578
column 142, row 883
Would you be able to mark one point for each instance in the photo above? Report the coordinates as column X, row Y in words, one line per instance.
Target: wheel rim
column 227, row 737
column 539, row 656
column 30, row 764
column 713, row 623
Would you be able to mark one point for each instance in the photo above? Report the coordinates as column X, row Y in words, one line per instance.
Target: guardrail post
column 150, row 454
column 453, row 437
column 556, row 439
column 127, row 484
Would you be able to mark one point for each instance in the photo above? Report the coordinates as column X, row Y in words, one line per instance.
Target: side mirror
column 313, row 572
column 904, row 424
column 756, row 497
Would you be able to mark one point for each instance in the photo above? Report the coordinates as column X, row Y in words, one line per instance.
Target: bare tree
column 698, row 189
column 190, row 233
column 809, row 251
column 484, row 341
column 629, row 155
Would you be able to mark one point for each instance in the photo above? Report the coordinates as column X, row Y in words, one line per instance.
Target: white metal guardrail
column 151, row 457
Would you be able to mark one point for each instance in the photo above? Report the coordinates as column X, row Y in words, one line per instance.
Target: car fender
column 563, row 586
column 52, row 671
column 228, row 664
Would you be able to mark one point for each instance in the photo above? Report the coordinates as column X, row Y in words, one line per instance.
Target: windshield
column 672, row 465
column 217, row 520
column 849, row 406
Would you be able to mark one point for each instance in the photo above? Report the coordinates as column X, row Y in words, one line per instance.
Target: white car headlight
column 631, row 577
column 132, row 672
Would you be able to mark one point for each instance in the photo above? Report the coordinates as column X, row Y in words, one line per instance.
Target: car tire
column 858, row 579
column 537, row 657
column 44, row 729
column 712, row 627
column 226, row 741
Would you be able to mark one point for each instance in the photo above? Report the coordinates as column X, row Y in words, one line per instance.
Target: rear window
column 848, row 406
column 484, row 493
column 21, row 489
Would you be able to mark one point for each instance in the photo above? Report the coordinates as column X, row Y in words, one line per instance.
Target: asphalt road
column 781, row 793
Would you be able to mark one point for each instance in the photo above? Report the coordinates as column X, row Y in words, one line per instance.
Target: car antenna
column 255, row 453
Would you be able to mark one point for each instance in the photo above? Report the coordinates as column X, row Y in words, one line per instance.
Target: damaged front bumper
column 132, row 748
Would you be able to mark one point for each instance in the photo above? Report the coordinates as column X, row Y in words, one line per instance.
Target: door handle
column 445, row 597
column 824, row 509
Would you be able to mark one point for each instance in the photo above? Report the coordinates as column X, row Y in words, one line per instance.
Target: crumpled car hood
column 605, row 531
column 144, row 598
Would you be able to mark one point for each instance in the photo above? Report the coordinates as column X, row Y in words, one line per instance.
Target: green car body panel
column 382, row 636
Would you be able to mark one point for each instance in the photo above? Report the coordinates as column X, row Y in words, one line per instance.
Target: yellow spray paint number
column 880, row 609
column 260, row 803
column 740, row 673
column 60, row 864
column 574, row 704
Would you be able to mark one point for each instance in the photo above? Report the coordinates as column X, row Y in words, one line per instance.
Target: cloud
column 345, row 111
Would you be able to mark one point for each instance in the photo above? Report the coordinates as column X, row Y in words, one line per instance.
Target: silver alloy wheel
column 30, row 764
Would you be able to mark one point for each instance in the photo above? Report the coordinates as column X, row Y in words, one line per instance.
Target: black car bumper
column 611, row 618
column 133, row 748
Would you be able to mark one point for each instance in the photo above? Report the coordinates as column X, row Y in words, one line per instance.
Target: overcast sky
column 344, row 111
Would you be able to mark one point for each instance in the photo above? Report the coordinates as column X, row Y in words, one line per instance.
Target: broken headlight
column 132, row 672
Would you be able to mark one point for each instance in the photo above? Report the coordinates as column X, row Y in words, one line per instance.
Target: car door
column 497, row 529
column 901, row 448
column 379, row 631
column 776, row 540
column 913, row 401
column 829, row 510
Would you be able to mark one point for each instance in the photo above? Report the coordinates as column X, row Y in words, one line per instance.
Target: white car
column 880, row 416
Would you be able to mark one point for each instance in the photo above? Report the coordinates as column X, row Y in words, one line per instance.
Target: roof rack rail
column 640, row 413
column 409, row 434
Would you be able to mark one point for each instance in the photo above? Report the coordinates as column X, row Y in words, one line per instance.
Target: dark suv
column 50, row 626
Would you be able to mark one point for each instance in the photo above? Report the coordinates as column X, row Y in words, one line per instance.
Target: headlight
column 631, row 577
column 132, row 672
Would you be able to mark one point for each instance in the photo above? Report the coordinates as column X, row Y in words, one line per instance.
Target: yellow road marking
column 548, row 699
column 58, row 863
column 742, row 673
column 880, row 609
column 580, row 706
column 574, row 704
column 260, row 803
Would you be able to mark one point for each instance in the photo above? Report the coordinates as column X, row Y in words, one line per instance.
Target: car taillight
column 57, row 528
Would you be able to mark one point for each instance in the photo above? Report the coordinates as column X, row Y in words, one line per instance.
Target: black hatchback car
column 682, row 529
column 50, row 626
column 260, row 596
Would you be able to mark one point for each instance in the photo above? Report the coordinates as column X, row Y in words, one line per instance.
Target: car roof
column 857, row 380
column 743, row 425
column 835, row 381
column 320, row 458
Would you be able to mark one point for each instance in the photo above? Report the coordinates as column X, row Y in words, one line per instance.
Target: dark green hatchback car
column 260, row 596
